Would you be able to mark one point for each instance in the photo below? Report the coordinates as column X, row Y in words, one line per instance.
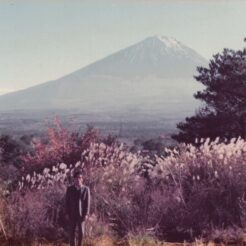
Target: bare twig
column 2, row 228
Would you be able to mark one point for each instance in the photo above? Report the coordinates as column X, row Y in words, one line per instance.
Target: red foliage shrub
column 61, row 146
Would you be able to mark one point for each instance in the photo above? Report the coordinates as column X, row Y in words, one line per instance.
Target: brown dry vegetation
column 108, row 241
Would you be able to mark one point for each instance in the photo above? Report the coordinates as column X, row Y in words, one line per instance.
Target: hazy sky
column 43, row 40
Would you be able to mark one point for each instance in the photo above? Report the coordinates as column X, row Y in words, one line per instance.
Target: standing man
column 77, row 207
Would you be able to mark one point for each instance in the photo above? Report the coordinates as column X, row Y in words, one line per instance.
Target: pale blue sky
column 46, row 39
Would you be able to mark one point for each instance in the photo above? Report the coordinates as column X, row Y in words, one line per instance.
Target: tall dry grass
column 188, row 194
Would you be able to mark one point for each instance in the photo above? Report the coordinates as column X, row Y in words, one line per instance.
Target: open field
column 121, row 124
column 129, row 129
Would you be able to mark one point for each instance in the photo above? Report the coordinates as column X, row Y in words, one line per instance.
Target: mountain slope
column 151, row 74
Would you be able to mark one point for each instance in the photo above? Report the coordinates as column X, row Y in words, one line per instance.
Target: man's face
column 78, row 180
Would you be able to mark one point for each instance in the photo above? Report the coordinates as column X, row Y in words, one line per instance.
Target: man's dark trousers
column 81, row 231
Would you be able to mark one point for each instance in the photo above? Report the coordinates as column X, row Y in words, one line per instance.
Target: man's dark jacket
column 77, row 202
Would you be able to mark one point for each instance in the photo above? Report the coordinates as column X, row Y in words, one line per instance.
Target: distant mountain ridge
column 154, row 74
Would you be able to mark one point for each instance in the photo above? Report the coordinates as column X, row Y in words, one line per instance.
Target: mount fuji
column 154, row 75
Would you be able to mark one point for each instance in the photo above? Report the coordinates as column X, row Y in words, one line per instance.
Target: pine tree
column 223, row 113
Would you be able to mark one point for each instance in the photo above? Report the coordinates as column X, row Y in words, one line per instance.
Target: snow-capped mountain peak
column 156, row 55
column 169, row 42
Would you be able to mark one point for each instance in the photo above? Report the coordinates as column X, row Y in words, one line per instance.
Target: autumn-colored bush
column 61, row 145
